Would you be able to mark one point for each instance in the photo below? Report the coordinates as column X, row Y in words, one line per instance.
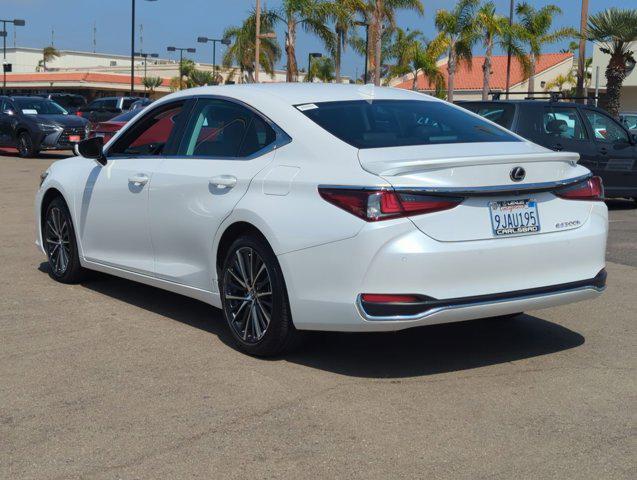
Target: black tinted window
column 128, row 102
column 393, row 123
column 500, row 113
column 563, row 122
column 258, row 135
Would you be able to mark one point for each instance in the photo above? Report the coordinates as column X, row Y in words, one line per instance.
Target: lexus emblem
column 517, row 174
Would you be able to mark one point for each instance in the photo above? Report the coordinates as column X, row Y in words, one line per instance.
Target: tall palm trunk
column 615, row 75
column 532, row 76
column 486, row 70
column 377, row 33
column 290, row 42
column 337, row 55
column 451, row 70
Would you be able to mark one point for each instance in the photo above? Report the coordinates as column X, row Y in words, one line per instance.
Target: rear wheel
column 254, row 298
column 58, row 236
column 25, row 145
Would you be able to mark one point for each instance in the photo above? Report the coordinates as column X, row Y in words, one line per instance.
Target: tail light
column 590, row 189
column 388, row 298
column 78, row 113
column 373, row 205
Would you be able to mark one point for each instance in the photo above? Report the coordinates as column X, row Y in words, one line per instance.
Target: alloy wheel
column 24, row 146
column 248, row 295
column 57, row 239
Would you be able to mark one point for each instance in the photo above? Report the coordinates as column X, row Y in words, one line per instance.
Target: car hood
column 60, row 120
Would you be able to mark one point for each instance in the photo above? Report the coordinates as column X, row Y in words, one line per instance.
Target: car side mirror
column 93, row 148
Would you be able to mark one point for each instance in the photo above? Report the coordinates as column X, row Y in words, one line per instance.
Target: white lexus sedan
column 327, row 207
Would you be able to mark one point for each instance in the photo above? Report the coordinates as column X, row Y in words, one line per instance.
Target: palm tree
column 380, row 15
column 311, row 16
column 561, row 81
column 151, row 83
column 614, row 30
column 402, row 49
column 458, row 33
column 240, row 52
column 200, row 78
column 537, row 27
column 322, row 69
column 495, row 31
column 343, row 13
column 48, row 54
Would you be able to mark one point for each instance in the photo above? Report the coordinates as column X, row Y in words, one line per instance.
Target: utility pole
column 94, row 36
column 257, row 41
column 581, row 61
column 508, row 79
column 16, row 23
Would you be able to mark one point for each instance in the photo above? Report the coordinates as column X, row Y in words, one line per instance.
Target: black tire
column 58, row 236
column 26, row 148
column 246, row 309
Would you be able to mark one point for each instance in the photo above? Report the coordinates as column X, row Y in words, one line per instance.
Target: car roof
column 524, row 102
column 300, row 93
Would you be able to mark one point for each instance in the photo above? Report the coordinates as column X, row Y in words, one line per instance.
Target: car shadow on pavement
column 621, row 204
column 51, row 155
column 408, row 353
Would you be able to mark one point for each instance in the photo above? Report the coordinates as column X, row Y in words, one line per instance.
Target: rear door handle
column 223, row 181
column 603, row 150
column 139, row 179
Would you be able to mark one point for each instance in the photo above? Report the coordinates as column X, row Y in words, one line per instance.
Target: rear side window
column 394, row 123
column 500, row 113
column 128, row 102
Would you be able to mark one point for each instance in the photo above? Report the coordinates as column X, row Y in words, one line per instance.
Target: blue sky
column 179, row 22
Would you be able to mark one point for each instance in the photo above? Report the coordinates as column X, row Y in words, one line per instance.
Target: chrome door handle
column 223, row 181
column 139, row 179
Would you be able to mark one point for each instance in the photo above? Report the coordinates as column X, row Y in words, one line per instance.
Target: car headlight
column 43, row 176
column 47, row 127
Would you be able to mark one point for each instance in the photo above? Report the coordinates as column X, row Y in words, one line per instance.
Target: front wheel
column 26, row 148
column 58, row 236
column 254, row 298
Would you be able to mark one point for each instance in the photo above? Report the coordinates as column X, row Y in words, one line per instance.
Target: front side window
column 605, row 128
column 149, row 136
column 395, row 123
column 563, row 122
column 222, row 129
column 128, row 102
column 38, row 106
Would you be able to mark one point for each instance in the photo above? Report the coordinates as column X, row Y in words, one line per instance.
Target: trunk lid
column 471, row 171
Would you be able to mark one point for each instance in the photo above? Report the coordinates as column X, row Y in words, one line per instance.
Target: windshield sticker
column 307, row 106
column 29, row 111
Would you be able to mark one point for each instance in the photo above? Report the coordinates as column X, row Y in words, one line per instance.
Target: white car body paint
column 166, row 231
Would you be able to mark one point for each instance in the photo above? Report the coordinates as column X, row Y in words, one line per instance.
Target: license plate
column 74, row 138
column 514, row 217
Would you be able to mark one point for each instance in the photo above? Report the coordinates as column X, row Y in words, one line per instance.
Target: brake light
column 373, row 205
column 78, row 113
column 591, row 189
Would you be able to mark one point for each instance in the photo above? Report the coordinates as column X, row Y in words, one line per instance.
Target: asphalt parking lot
column 114, row 380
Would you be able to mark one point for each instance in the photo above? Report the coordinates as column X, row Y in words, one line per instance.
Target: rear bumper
column 472, row 279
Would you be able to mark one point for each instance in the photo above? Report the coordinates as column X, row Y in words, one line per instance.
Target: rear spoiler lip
column 406, row 167
column 474, row 191
column 497, row 189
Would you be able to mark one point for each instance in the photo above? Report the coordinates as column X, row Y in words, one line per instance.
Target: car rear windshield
column 395, row 123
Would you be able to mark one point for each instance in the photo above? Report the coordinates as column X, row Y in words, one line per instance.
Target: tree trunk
column 451, row 70
column 337, row 57
column 615, row 75
column 290, row 41
column 486, row 71
column 414, row 85
column 532, row 76
column 378, row 40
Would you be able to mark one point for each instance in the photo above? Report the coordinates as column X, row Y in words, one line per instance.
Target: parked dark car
column 105, row 108
column 32, row 124
column 606, row 147
column 70, row 102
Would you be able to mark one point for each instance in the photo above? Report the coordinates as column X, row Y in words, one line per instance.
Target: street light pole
column 310, row 56
column 132, row 47
column 181, row 60
column 17, row 23
column 146, row 56
column 223, row 41
column 366, row 25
